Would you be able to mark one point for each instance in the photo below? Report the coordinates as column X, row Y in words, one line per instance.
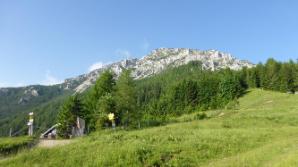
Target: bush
column 201, row 115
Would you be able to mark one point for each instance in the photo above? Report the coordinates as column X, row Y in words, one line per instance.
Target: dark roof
column 49, row 130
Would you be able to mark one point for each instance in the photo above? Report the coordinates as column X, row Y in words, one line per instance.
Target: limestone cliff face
column 157, row 61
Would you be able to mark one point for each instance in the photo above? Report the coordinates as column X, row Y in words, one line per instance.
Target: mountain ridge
column 153, row 63
column 158, row 60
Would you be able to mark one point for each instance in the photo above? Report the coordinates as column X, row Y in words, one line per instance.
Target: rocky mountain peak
column 158, row 60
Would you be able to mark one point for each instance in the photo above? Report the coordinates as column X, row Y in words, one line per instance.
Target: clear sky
column 46, row 41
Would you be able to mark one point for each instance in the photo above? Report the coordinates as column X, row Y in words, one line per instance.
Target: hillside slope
column 262, row 132
column 16, row 103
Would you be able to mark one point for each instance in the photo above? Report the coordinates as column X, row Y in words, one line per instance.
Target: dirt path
column 52, row 143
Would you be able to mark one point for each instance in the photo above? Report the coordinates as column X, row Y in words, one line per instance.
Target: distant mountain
column 15, row 103
column 157, row 61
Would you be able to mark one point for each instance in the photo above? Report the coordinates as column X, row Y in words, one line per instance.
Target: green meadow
column 261, row 131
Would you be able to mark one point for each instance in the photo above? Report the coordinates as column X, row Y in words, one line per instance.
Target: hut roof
column 49, row 130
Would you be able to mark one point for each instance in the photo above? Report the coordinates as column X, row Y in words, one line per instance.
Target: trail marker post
column 30, row 124
column 111, row 117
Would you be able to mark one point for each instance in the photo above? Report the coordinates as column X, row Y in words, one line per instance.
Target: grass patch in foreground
column 10, row 145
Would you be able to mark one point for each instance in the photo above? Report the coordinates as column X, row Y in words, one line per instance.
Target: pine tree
column 126, row 99
column 106, row 105
column 252, row 78
column 287, row 74
column 229, row 87
column 272, row 75
column 67, row 115
column 208, row 91
column 104, row 86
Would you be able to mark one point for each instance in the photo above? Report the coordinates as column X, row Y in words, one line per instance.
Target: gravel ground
column 52, row 143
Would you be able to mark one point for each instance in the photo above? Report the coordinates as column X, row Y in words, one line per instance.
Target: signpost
column 30, row 124
column 10, row 132
column 111, row 117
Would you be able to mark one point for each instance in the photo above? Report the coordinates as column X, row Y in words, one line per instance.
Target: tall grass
column 10, row 145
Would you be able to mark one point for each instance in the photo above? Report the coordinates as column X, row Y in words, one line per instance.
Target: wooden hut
column 77, row 130
column 51, row 133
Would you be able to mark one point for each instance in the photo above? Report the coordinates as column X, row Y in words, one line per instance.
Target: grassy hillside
column 262, row 132
column 15, row 104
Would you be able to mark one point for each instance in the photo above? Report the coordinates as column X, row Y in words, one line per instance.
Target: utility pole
column 30, row 124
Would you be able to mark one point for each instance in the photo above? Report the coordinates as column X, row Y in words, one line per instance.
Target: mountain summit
column 157, row 61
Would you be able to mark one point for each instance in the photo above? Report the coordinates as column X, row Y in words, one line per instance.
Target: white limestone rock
column 157, row 61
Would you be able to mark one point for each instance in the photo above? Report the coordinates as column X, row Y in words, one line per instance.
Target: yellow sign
column 31, row 117
column 111, row 116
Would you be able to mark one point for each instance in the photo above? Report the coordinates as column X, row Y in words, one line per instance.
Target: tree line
column 273, row 75
column 108, row 95
column 175, row 91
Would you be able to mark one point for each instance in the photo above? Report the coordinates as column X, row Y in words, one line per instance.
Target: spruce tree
column 125, row 97
column 67, row 115
column 106, row 104
column 104, row 85
column 287, row 74
column 229, row 87
column 260, row 75
column 272, row 75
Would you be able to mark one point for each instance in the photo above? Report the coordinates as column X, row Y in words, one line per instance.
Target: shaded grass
column 9, row 145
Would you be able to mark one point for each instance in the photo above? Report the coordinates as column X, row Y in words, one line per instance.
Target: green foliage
column 287, row 77
column 97, row 96
column 104, row 85
column 126, row 99
column 229, row 87
column 108, row 96
column 273, row 75
column 175, row 91
column 106, row 105
column 45, row 106
column 184, row 89
column 153, row 100
column 66, row 118
column 201, row 115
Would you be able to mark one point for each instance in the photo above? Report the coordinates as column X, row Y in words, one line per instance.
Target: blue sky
column 44, row 42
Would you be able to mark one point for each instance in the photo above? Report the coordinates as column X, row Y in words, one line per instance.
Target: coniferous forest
column 175, row 91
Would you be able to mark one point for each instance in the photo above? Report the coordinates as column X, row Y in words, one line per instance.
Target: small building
column 51, row 133
column 77, row 130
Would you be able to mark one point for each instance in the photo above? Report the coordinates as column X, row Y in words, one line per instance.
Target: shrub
column 201, row 115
